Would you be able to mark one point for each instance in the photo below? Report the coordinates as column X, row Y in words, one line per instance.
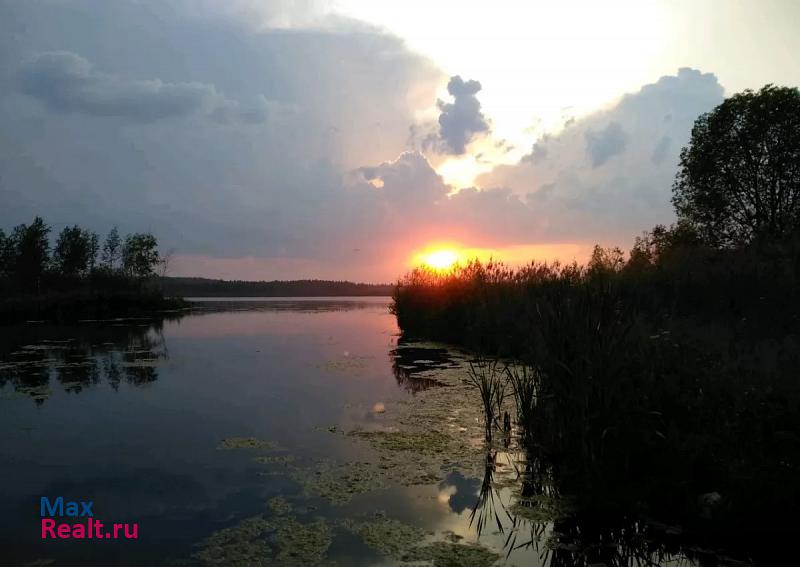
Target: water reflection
column 459, row 491
column 489, row 508
column 202, row 305
column 413, row 364
column 33, row 358
column 533, row 517
column 281, row 373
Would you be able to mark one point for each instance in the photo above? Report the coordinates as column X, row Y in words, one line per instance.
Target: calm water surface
column 131, row 415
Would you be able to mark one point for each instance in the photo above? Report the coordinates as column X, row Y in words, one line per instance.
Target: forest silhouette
column 78, row 277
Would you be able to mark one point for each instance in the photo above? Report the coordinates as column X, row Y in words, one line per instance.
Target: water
column 151, row 419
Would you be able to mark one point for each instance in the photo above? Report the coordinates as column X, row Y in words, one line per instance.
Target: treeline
column 28, row 261
column 203, row 287
column 76, row 274
column 666, row 379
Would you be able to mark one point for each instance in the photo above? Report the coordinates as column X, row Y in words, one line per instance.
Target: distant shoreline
column 212, row 288
column 289, row 298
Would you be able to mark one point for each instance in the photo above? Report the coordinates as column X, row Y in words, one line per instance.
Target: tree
column 31, row 252
column 73, row 253
column 94, row 249
column 112, row 249
column 140, row 255
column 739, row 177
column 660, row 244
column 605, row 260
column 6, row 255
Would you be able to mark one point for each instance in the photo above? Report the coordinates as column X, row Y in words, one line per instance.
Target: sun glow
column 444, row 256
column 441, row 259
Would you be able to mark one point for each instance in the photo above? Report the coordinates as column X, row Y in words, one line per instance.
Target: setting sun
column 440, row 259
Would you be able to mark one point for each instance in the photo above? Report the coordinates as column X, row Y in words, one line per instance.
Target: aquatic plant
column 488, row 377
column 486, row 507
column 524, row 383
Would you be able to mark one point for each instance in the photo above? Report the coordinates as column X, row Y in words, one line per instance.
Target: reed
column 488, row 377
column 524, row 382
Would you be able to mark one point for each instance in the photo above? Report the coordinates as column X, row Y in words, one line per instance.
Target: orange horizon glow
column 444, row 256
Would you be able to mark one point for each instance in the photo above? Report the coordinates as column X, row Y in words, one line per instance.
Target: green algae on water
column 387, row 536
column 338, row 482
column 299, row 544
column 255, row 542
column 245, row 443
column 279, row 506
column 242, row 545
column 274, row 459
column 445, row 554
column 285, row 460
column 424, row 442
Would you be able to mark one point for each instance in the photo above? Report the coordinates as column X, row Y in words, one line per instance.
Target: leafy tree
column 605, row 260
column 112, row 250
column 140, row 255
column 739, row 177
column 6, row 255
column 661, row 243
column 31, row 252
column 94, row 249
column 73, row 253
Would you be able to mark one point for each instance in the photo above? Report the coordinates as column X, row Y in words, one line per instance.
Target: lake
column 301, row 432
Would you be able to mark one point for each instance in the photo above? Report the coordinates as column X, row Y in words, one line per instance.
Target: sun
column 440, row 259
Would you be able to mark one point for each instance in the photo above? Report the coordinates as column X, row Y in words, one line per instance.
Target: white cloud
column 608, row 176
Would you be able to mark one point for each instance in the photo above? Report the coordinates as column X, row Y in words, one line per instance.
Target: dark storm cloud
column 66, row 82
column 139, row 113
column 606, row 143
column 461, row 119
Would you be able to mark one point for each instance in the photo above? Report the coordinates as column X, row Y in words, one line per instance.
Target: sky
column 347, row 139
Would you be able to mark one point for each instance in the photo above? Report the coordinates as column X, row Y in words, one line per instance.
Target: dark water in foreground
column 152, row 421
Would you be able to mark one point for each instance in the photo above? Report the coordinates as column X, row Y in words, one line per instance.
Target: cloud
column 67, row 83
column 139, row 113
column 624, row 186
column 412, row 204
column 606, row 143
column 325, row 190
column 409, row 178
column 461, row 119
column 661, row 151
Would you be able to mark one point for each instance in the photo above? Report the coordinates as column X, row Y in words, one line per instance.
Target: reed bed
column 648, row 381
